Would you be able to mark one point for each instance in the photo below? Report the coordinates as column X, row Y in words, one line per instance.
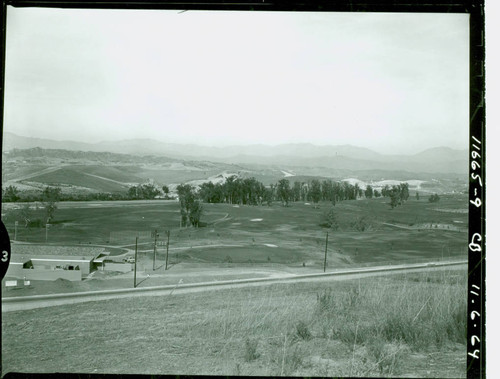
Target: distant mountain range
column 435, row 160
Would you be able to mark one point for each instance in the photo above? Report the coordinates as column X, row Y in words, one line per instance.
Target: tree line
column 249, row 191
column 140, row 192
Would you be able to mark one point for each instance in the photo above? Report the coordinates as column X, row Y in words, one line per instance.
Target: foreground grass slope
column 399, row 325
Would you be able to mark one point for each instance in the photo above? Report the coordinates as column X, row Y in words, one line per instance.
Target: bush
column 361, row 224
column 434, row 198
column 302, row 331
column 387, row 357
column 329, row 219
column 251, row 353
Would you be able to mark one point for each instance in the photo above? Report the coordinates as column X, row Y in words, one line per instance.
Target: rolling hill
column 345, row 157
column 85, row 171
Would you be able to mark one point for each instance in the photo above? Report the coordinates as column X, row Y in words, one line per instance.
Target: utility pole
column 15, row 230
column 168, row 242
column 154, row 250
column 326, row 249
column 46, row 232
column 135, row 263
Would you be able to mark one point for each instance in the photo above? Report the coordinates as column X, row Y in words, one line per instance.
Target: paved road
column 31, row 302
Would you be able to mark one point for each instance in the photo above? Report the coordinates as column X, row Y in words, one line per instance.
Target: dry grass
column 371, row 327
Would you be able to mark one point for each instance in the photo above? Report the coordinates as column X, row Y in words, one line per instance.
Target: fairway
column 368, row 231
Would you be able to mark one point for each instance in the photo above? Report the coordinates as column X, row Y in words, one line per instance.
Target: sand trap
column 307, row 203
column 236, row 206
column 270, row 245
column 256, row 219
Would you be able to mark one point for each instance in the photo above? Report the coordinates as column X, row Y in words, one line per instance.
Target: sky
column 392, row 82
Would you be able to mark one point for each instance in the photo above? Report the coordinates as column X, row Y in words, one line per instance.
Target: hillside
column 87, row 171
column 347, row 157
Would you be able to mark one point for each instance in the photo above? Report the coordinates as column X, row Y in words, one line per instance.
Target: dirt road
column 32, row 302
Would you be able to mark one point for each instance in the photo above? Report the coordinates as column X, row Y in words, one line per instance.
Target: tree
column 369, row 192
column 165, row 190
column 25, row 214
column 10, row 194
column 149, row 191
column 296, row 190
column 376, row 193
column 315, row 191
column 50, row 198
column 195, row 213
column 394, row 196
column 284, row 192
column 405, row 192
column 191, row 207
column 417, row 196
column 386, row 191
column 268, row 196
column 186, row 201
column 357, row 191
column 329, row 219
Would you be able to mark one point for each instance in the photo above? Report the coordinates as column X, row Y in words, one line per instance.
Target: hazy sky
column 396, row 83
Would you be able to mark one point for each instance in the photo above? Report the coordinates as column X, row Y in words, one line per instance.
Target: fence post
column 154, row 250
column 168, row 242
column 135, row 263
column 326, row 249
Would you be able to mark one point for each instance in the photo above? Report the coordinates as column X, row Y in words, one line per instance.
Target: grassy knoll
column 397, row 325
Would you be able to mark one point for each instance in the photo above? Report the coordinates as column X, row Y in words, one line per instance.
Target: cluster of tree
column 398, row 194
column 235, row 191
column 434, row 198
column 140, row 192
column 10, row 194
column 143, row 192
column 250, row 191
column 50, row 196
column 370, row 192
column 191, row 207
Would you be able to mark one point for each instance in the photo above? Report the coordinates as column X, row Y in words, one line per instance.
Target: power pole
column 154, row 250
column 326, row 249
column 135, row 263
column 168, row 242
column 47, row 232
column 15, row 230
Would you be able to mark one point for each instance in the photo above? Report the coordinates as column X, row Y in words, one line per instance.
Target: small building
column 49, row 267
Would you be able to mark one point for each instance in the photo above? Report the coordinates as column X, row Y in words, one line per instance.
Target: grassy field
column 410, row 325
column 369, row 231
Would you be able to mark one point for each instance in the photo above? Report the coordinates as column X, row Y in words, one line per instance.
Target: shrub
column 251, row 353
column 302, row 331
column 329, row 219
column 361, row 224
column 434, row 198
column 387, row 357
